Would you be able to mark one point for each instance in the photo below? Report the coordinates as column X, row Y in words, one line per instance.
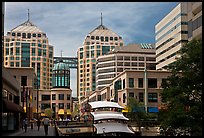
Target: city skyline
column 67, row 32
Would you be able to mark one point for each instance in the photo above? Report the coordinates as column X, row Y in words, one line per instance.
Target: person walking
column 38, row 124
column 25, row 123
column 46, row 123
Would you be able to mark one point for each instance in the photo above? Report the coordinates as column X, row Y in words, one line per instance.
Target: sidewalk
column 34, row 132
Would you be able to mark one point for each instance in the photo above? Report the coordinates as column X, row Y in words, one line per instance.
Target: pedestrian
column 46, row 123
column 25, row 122
column 38, row 124
column 31, row 123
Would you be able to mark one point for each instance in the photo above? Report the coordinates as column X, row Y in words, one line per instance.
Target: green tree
column 48, row 112
column 182, row 93
column 136, row 112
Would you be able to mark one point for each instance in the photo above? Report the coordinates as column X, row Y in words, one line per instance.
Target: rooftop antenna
column 28, row 15
column 101, row 19
column 61, row 57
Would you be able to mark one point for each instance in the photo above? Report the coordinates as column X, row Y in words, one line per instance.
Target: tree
column 48, row 112
column 136, row 112
column 182, row 93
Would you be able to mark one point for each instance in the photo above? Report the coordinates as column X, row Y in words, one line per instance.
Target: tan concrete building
column 194, row 20
column 133, row 83
column 130, row 57
column 171, row 35
column 27, row 46
column 28, row 94
column 12, row 111
column 98, row 42
column 178, row 27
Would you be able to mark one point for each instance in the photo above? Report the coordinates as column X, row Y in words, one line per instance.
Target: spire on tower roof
column 101, row 19
column 28, row 15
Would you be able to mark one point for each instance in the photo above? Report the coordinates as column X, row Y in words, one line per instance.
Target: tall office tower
column 130, row 57
column 27, row 46
column 194, row 20
column 98, row 42
column 171, row 35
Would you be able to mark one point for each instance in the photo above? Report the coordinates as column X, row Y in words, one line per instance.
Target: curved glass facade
column 61, row 76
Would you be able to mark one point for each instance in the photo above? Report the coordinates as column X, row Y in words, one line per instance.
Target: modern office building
column 98, row 42
column 27, row 46
column 171, row 34
column 130, row 57
column 178, row 27
column 194, row 20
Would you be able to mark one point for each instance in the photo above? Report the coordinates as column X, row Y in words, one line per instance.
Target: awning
column 61, row 112
column 108, row 127
column 125, row 110
column 69, row 112
column 9, row 106
column 103, row 115
column 42, row 114
column 103, row 104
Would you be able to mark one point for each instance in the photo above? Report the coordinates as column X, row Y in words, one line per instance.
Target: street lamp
column 36, row 80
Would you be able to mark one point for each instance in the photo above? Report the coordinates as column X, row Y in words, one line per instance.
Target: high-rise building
column 194, row 20
column 130, row 57
column 179, row 26
column 27, row 46
column 98, row 42
column 171, row 34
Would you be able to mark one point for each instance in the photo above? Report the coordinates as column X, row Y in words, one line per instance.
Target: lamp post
column 145, row 80
column 37, row 100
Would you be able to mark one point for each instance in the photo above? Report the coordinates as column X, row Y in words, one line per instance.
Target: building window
column 152, row 97
column 141, row 97
column 92, row 37
column 45, row 97
column 124, row 97
column 61, row 105
column 44, row 106
column 68, row 105
column 102, row 38
column 17, row 64
column 68, row 96
column 140, row 82
column 131, row 94
column 53, row 96
column 61, row 96
column 131, row 82
column 123, row 83
column 152, row 83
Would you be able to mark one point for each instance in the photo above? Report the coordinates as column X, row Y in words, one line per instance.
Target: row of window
column 33, row 40
column 60, row 97
column 59, row 105
column 152, row 97
column 106, row 38
column 172, row 29
column 172, row 46
column 26, row 35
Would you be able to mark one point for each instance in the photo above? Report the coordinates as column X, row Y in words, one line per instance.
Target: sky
column 67, row 23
